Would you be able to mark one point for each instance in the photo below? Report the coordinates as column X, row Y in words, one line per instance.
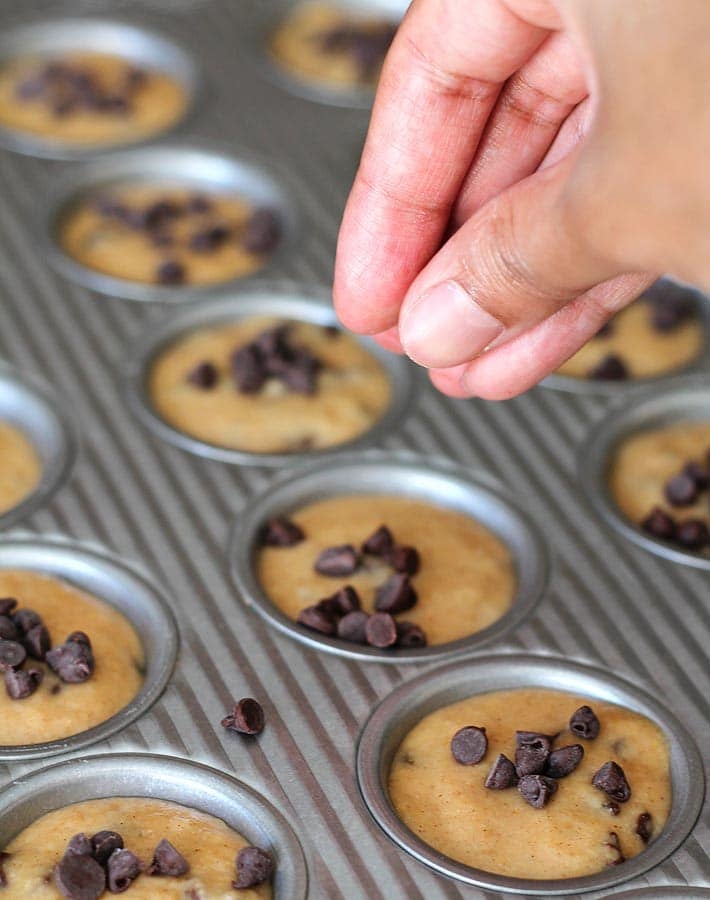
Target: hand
column 531, row 167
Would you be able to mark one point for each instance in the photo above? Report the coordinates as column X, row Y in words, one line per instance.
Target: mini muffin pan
column 679, row 400
column 163, row 778
column 120, row 584
column 435, row 481
column 197, row 168
column 58, row 36
column 413, row 700
column 30, row 405
column 684, row 892
column 280, row 300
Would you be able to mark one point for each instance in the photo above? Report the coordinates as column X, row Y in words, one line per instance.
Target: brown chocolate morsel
column 345, row 600
column 171, row 272
column 317, row 619
column 262, row 232
column 72, row 661
column 564, row 761
column 380, row 542
column 502, row 774
column 281, row 532
column 612, row 806
column 395, row 595
column 699, row 473
column 12, row 655
column 37, row 642
column 537, row 789
column 692, row 534
column 79, row 877
column 204, row 375
column 4, row 856
column 669, row 306
column 80, row 845
column 22, row 683
column 352, row 627
column 611, row 779
column 7, row 605
column 611, row 368
column 210, row 239
column 248, row 369
column 79, row 637
column 337, row 561
column 168, row 861
column 299, row 374
column 254, row 866
column 659, row 524
column 681, row 490
column 409, row 634
column 615, row 846
column 381, row 630
column 159, row 214
column 25, row 619
column 531, row 752
column 404, row 559
column 469, row 745
column 584, row 723
column 103, row 844
column 8, row 630
column 247, row 717
column 644, row 826
column 122, row 869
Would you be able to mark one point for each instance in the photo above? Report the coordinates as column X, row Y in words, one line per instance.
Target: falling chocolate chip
column 611, row 368
column 692, row 534
column 317, row 618
column 168, row 861
column 564, row 761
column 352, row 627
column 37, row 642
column 537, row 789
column 4, row 856
column 25, row 619
column 611, row 779
column 381, row 630
column 22, row 683
column 644, row 826
column 659, row 524
column 80, row 845
column 681, row 490
column 254, row 866
column 395, row 595
column 7, row 605
column 103, row 844
column 337, row 561
column 502, row 774
column 8, row 630
column 248, row 369
column 79, row 877
column 72, row 661
column 247, row 717
column 584, row 723
column 122, row 869
column 204, row 375
column 12, row 655
column 404, row 559
column 380, row 542
column 615, row 846
column 281, row 532
column 171, row 272
column 410, row 635
column 262, row 232
column 531, row 752
column 469, row 745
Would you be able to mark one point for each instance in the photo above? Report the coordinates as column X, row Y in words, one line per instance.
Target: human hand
column 529, row 163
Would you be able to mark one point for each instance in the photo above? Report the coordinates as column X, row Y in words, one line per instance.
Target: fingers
column 438, row 86
column 389, row 340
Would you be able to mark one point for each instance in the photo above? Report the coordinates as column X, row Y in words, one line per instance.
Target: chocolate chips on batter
column 644, row 826
column 247, row 717
column 281, row 532
column 168, row 861
column 610, row 368
column 366, row 44
column 469, row 745
column 682, row 489
column 253, row 866
column 611, row 779
column 584, row 723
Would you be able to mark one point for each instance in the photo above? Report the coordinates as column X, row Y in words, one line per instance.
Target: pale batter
column 21, row 467
column 466, row 579
column 207, row 843
column 153, row 105
column 352, row 391
column 447, row 806
column 46, row 715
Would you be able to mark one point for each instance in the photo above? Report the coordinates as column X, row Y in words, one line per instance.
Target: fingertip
column 389, row 340
column 448, row 382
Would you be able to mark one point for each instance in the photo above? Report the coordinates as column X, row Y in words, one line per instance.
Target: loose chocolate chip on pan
column 103, row 844
column 317, row 619
column 171, row 272
column 168, row 861
column 395, row 595
column 281, row 532
column 409, row 634
column 248, row 369
column 564, row 761
column 7, row 605
column 25, row 619
column 611, row 368
column 22, row 683
column 337, row 561
column 681, row 490
column 8, row 630
column 502, row 774
column 380, row 542
column 469, row 745
column 254, row 866
column 247, row 717
column 79, row 878
column 12, row 655
column 381, row 630
column 80, row 845
column 262, row 232
column 37, row 642
column 644, row 826
column 611, row 779
column 584, row 723
column 3, row 858
column 404, row 559
column 122, row 869
column 537, row 789
column 73, row 661
column 692, row 534
column 659, row 524
column 204, row 375
column 352, row 627
column 531, row 752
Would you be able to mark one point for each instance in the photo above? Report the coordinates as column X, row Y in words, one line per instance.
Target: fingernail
column 445, row 327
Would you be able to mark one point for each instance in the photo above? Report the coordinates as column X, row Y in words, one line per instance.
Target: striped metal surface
column 609, row 602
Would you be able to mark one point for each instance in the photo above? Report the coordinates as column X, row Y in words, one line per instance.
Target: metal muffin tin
column 59, row 36
column 27, row 403
column 162, row 778
column 647, row 408
column 306, row 303
column 410, row 702
column 119, row 584
column 434, row 481
column 684, row 892
column 198, row 167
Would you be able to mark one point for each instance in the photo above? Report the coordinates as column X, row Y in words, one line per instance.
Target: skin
column 518, row 188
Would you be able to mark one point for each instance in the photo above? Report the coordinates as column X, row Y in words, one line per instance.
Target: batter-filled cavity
column 21, row 467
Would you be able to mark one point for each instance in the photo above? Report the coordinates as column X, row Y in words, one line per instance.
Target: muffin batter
column 352, row 391
column 122, row 233
column 48, row 98
column 209, row 846
column 329, row 46
column 21, row 467
column 46, row 715
column 465, row 582
column 447, row 806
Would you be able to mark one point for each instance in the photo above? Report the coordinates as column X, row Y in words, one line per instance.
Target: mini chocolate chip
column 611, row 368
column 122, row 869
column 469, row 745
column 681, row 490
column 537, row 789
column 210, row 239
column 613, row 844
column 4, row 856
column 158, row 214
column 254, row 866
column 79, row 877
column 104, row 843
column 380, row 542
column 168, row 861
column 262, row 232
column 612, row 806
column 644, row 826
column 300, row 372
column 37, row 642
column 281, row 532
column 22, row 683
column 670, row 306
column 8, row 630
column 404, row 559
column 344, row 601
column 12, row 655
column 274, row 342
column 248, row 369
column 699, row 473
column 409, row 634
column 584, row 723
column 395, row 595
column 80, row 845
column 25, row 619
column 247, row 717
column 204, row 375
column 531, row 752
column 337, row 561
column 659, row 524
column 692, row 534
column 564, row 760
column 502, row 774
column 317, row 618
column 352, row 627
column 79, row 637
column 72, row 661
column 380, row 630
column 7, row 605
column 171, row 272
column 611, row 779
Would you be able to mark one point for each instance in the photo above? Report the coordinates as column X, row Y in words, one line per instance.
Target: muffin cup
column 672, row 892
column 29, row 404
column 198, row 168
column 119, row 584
column 402, row 474
column 392, row 720
column 647, row 408
column 303, row 303
column 137, row 45
column 158, row 777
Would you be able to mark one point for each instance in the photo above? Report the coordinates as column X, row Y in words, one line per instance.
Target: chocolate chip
column 171, row 272
column 247, row 717
column 345, row 601
column 395, row 595
column 122, row 869
column 80, row 845
column 210, row 239
column 254, row 866
column 262, row 232
column 692, row 534
column 611, row 779
column 22, row 683
column 8, row 630
column 37, row 642
column 3, row 859
column 317, row 619
column 659, row 524
column 681, row 490
column 502, row 774
column 410, row 635
column 7, row 605
column 644, row 826
column 380, row 542
column 380, row 630
column 564, row 760
column 300, row 372
column 404, row 559
column 352, row 627
column 611, row 368
column 103, row 844
column 612, row 806
column 199, row 203
column 670, row 305
column 12, row 655
column 274, row 342
column 337, row 561
column 281, row 532
column 204, row 375
column 159, row 214
column 79, row 637
column 699, row 473
column 613, row 844
column 469, row 745
column 79, row 877
column 531, row 752
column 168, row 861
column 248, row 369
column 584, row 723
column 25, row 619
column 72, row 661
column 537, row 789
